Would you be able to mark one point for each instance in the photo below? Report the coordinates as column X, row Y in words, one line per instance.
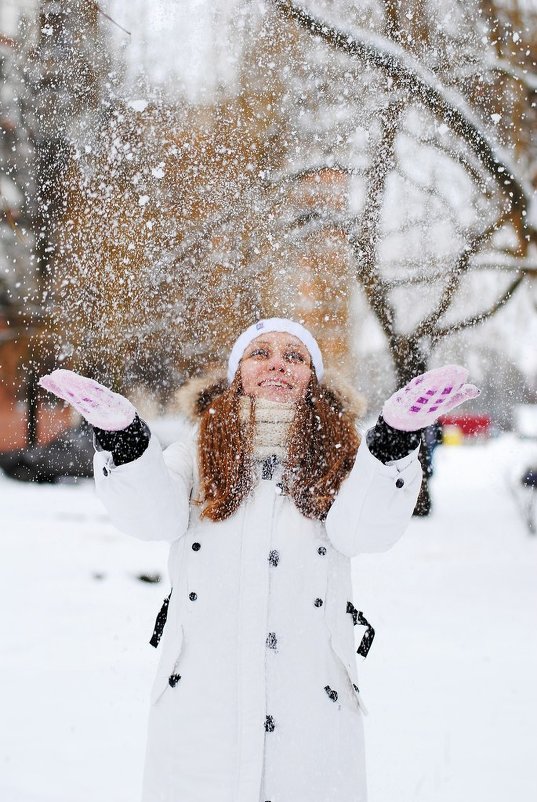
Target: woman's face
column 276, row 366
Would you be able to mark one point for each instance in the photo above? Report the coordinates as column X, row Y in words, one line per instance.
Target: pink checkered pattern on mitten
column 96, row 403
column 426, row 397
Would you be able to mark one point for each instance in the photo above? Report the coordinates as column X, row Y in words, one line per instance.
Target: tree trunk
column 411, row 360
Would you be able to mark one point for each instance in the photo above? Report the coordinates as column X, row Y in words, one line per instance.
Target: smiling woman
column 264, row 502
column 276, row 366
column 275, row 405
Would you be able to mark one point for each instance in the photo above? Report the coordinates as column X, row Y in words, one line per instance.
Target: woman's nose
column 277, row 363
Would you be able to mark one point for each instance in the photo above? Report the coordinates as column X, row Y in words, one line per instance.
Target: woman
column 256, row 697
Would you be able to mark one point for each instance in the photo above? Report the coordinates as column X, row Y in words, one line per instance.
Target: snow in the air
column 155, row 242
column 450, row 682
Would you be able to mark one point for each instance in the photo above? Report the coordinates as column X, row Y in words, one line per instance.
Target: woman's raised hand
column 420, row 402
column 96, row 403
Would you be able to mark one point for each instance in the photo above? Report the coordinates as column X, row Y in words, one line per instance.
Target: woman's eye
column 294, row 356
column 259, row 352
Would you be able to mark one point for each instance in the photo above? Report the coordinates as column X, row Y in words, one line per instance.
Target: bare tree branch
column 439, row 275
column 452, row 154
column 435, row 194
column 530, row 269
column 309, row 171
column 428, row 278
column 106, row 16
column 364, row 242
column 454, row 276
column 524, row 77
column 439, row 332
column 320, row 220
column 443, row 102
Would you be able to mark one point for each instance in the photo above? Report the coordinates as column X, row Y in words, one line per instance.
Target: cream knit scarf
column 272, row 423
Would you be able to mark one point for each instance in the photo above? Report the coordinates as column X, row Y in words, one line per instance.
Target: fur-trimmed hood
column 194, row 396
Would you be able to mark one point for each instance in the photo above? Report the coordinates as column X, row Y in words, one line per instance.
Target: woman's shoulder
column 185, row 435
column 194, row 396
column 180, row 452
column 185, row 411
column 339, row 385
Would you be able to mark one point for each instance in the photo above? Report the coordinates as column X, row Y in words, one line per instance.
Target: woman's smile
column 272, row 382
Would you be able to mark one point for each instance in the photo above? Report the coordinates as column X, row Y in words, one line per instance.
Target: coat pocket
column 169, row 673
column 350, row 695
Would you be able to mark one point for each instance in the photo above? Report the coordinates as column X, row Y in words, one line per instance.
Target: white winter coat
column 262, row 702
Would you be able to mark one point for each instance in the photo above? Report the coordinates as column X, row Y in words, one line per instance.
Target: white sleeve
column 374, row 504
column 148, row 498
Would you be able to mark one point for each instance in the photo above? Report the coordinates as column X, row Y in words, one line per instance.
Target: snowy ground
column 450, row 683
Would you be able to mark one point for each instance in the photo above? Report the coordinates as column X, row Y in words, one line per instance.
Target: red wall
column 13, row 433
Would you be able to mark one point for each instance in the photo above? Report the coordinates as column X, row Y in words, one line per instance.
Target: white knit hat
column 274, row 324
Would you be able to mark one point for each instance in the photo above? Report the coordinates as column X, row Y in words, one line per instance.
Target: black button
column 331, row 694
column 321, row 550
column 269, row 724
column 271, row 641
column 196, row 546
column 173, row 680
column 400, row 482
column 274, row 557
column 192, row 596
column 106, row 471
column 318, row 602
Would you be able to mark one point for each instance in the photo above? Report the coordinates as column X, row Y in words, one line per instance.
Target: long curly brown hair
column 321, row 450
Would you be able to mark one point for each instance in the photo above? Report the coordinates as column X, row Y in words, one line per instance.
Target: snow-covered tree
column 437, row 204
column 309, row 162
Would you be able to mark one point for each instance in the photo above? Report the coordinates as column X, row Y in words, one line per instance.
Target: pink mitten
column 428, row 396
column 99, row 405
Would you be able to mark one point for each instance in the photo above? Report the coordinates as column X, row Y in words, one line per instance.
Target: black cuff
column 387, row 443
column 127, row 444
